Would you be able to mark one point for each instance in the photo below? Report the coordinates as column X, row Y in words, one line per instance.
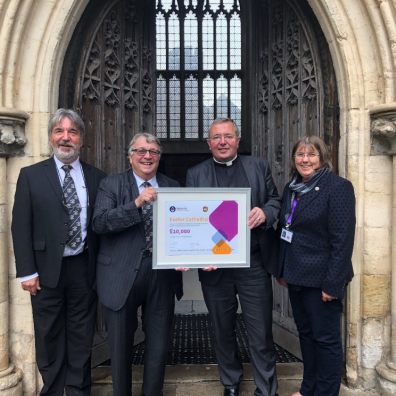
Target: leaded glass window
column 199, row 72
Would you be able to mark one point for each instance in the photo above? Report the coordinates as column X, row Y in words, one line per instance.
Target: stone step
column 198, row 380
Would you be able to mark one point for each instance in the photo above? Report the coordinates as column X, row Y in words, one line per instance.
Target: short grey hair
column 73, row 116
column 150, row 138
column 223, row 121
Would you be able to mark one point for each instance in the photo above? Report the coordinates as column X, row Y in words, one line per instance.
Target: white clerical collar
column 228, row 163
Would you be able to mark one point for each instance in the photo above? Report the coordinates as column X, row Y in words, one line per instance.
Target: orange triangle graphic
column 221, row 247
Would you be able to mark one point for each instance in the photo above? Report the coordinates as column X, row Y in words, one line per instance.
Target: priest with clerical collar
column 252, row 285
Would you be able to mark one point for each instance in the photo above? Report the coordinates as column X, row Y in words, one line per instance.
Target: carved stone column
column 12, row 141
column 383, row 138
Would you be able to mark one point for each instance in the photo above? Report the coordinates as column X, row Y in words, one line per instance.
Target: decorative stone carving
column 11, row 381
column 12, row 132
column 383, row 133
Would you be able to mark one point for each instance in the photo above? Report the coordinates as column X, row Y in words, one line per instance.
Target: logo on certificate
column 225, row 220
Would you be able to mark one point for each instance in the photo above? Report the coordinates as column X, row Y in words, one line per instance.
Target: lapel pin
column 316, row 188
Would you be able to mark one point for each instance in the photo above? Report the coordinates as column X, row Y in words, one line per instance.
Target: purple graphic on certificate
column 225, row 220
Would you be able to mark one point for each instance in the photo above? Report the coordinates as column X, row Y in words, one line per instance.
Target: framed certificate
column 199, row 227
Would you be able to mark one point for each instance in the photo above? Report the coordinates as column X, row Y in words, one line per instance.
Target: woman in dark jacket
column 317, row 224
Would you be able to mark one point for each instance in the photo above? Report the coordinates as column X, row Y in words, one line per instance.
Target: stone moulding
column 383, row 129
column 10, row 378
column 12, row 132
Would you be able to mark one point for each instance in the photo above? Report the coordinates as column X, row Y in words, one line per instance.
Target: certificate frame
column 175, row 210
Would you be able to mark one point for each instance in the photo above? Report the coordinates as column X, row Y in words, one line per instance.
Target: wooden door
column 295, row 95
column 287, row 82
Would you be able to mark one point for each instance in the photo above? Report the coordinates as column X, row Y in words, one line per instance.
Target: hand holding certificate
column 201, row 227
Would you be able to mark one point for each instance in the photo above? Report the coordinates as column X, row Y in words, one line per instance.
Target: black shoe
column 231, row 390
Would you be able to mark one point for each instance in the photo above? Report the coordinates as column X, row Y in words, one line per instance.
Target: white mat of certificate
column 198, row 227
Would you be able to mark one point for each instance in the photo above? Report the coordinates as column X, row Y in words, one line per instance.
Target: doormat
column 191, row 343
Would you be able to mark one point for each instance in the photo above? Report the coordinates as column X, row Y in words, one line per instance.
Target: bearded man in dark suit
column 125, row 278
column 252, row 285
column 55, row 255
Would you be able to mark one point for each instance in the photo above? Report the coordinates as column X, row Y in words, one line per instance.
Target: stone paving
column 198, row 380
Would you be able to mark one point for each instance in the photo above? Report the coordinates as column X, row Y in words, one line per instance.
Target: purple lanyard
column 293, row 208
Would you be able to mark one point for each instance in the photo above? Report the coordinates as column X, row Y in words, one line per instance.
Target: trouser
column 153, row 291
column 64, row 321
column 254, row 288
column 318, row 325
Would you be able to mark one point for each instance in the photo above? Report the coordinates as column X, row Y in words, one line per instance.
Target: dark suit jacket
column 39, row 221
column 119, row 222
column 323, row 229
column 263, row 195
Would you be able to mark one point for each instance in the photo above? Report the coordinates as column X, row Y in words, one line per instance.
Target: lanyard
column 293, row 208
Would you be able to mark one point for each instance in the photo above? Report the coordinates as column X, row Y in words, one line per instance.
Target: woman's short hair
column 74, row 117
column 319, row 145
column 150, row 138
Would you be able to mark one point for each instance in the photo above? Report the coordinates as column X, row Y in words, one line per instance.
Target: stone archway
column 34, row 37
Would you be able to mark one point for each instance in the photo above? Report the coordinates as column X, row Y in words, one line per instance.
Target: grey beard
column 66, row 158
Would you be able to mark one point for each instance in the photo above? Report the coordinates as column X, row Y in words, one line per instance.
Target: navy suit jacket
column 120, row 225
column 40, row 221
column 323, row 227
column 263, row 195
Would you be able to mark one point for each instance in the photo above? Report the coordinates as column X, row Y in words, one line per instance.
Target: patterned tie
column 74, row 208
column 147, row 212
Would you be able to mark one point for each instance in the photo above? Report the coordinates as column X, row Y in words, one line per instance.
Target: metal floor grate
column 191, row 343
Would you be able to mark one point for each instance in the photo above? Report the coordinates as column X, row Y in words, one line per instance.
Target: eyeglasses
column 308, row 155
column 141, row 152
column 227, row 138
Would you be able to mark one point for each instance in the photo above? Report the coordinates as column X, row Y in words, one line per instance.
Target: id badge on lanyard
column 286, row 234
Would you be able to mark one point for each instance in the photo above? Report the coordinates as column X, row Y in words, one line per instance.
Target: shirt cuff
column 28, row 277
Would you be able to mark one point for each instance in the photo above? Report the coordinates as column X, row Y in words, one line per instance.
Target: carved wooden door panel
column 295, row 95
column 108, row 77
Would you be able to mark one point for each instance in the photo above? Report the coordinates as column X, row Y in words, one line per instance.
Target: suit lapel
column 89, row 180
column 53, row 178
column 131, row 189
column 131, row 192
column 309, row 198
column 161, row 181
column 249, row 170
column 255, row 180
column 211, row 175
column 87, row 174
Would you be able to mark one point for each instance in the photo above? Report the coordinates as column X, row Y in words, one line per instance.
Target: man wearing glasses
column 125, row 278
column 252, row 285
